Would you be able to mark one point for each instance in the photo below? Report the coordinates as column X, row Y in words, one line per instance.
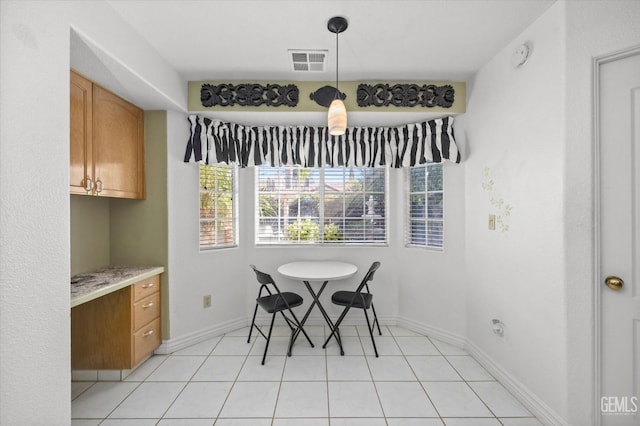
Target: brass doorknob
column 614, row 283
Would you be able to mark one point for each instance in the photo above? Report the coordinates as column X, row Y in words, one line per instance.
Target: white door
column 619, row 171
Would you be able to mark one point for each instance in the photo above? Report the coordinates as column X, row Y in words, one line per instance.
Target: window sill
column 320, row 245
column 216, row 248
column 426, row 248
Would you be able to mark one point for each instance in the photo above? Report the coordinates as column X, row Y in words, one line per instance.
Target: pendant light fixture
column 337, row 117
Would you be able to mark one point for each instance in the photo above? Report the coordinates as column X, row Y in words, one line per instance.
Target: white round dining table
column 318, row 271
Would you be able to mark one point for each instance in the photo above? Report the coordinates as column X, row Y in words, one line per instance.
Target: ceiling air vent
column 308, row 60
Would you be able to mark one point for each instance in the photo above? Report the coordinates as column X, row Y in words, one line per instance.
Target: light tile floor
column 415, row 381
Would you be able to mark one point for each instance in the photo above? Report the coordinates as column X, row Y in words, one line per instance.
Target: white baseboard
column 539, row 408
column 530, row 400
column 175, row 344
column 431, row 331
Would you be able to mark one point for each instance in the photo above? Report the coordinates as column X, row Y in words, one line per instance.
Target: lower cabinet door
column 146, row 340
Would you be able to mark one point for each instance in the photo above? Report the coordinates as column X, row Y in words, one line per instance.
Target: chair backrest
column 263, row 277
column 265, row 281
column 372, row 270
column 368, row 276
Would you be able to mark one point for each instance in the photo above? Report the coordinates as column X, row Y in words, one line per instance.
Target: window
column 218, row 206
column 321, row 205
column 425, row 211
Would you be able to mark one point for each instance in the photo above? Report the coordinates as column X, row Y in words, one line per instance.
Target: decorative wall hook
column 325, row 95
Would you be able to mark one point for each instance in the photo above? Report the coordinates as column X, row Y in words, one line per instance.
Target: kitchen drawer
column 146, row 310
column 146, row 340
column 144, row 288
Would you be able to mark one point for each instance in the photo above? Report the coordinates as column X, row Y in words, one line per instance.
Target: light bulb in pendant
column 337, row 118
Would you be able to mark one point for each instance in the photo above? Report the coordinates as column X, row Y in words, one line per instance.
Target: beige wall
column 89, row 217
column 138, row 228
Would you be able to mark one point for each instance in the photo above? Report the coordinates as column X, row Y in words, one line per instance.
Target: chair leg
column 253, row 323
column 335, row 331
column 339, row 339
column 375, row 349
column 375, row 319
column 294, row 330
column 266, row 347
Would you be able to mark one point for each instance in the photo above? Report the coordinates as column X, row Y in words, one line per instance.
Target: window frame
column 321, row 213
column 409, row 219
column 234, row 206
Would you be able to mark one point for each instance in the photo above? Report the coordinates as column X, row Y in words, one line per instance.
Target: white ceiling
column 386, row 40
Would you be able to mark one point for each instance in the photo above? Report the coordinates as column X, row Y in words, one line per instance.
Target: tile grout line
column 416, row 376
column 326, row 376
column 246, row 357
column 465, row 380
column 190, row 379
column 375, row 387
column 102, row 420
column 275, row 406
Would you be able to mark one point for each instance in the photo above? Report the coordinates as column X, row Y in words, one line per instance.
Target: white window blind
column 321, row 205
column 425, row 219
column 218, row 206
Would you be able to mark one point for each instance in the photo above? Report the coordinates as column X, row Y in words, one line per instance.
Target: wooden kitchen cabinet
column 106, row 142
column 81, row 140
column 118, row 330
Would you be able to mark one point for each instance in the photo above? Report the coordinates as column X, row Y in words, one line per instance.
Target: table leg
column 316, row 301
column 315, row 297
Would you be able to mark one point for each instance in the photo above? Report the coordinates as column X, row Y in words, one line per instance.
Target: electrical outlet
column 206, row 301
column 497, row 327
column 492, row 222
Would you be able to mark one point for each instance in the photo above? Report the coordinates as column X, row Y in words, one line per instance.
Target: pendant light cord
column 337, row 64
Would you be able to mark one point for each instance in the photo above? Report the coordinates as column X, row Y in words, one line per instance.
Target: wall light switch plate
column 492, row 222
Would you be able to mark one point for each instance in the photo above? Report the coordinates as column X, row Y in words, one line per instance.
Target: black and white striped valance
column 214, row 141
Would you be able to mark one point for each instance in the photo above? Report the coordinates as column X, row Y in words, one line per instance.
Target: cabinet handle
column 147, row 285
column 88, row 184
column 98, row 186
column 148, row 305
column 148, row 333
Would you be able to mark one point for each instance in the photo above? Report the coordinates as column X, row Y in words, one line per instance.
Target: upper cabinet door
column 118, row 146
column 81, row 137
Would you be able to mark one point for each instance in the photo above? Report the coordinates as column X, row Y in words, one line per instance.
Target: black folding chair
column 356, row 299
column 273, row 302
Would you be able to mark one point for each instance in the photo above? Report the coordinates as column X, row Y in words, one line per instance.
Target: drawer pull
column 147, row 285
column 148, row 305
column 148, row 333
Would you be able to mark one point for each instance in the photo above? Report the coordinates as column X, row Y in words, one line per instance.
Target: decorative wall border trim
column 432, row 97
column 405, row 95
column 249, row 94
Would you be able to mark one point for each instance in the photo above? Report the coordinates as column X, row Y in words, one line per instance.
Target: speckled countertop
column 91, row 285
